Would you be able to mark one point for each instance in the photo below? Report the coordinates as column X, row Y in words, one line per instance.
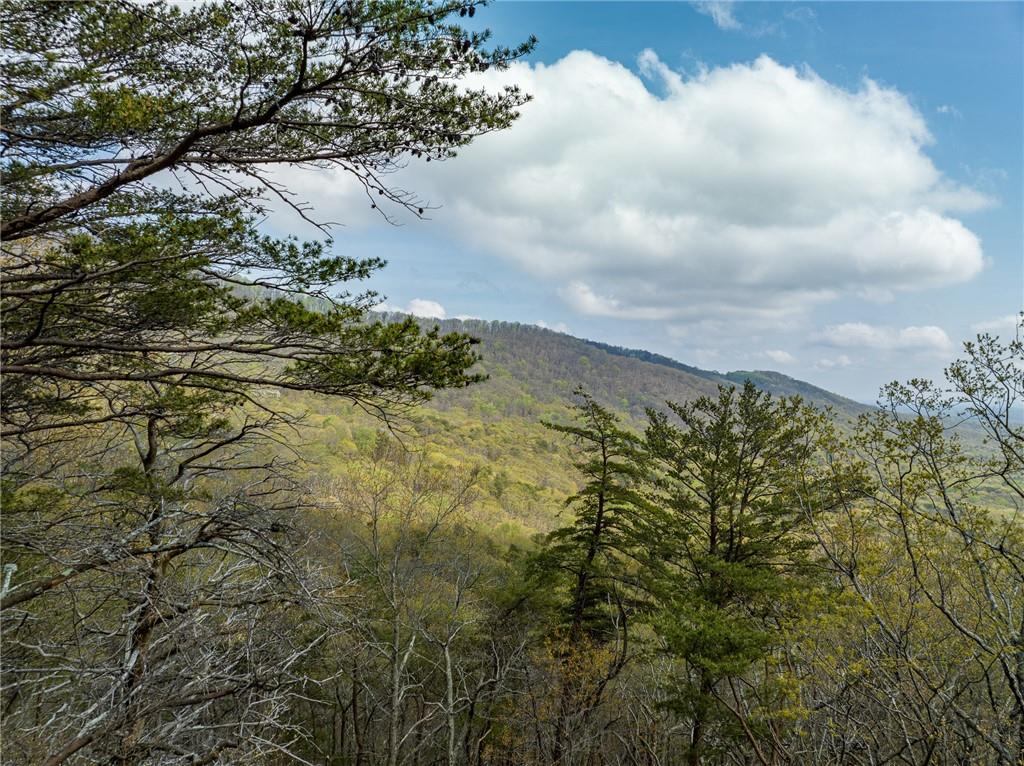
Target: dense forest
column 246, row 519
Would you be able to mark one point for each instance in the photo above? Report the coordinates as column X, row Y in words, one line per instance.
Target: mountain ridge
column 500, row 340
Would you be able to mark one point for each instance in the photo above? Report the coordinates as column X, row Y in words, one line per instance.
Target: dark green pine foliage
column 736, row 473
column 140, row 146
column 158, row 349
column 92, row 326
column 100, row 98
column 592, row 553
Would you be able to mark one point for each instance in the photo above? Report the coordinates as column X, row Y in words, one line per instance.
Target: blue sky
column 831, row 190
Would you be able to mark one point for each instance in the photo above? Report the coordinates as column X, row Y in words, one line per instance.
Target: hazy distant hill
column 547, row 365
column 782, row 385
column 774, row 383
column 531, row 368
column 541, row 368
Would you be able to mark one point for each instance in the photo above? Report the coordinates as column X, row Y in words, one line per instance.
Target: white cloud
column 951, row 110
column 780, row 357
column 419, row 307
column 749, row 189
column 880, row 338
column 1003, row 325
column 561, row 327
column 833, row 363
column 720, row 11
column 582, row 298
column 424, row 308
column 803, row 14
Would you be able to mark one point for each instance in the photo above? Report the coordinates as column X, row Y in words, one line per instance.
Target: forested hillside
column 248, row 521
column 550, row 364
column 774, row 383
column 496, row 424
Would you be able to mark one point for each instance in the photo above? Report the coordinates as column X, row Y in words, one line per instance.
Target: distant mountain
column 547, row 365
column 778, row 384
column 650, row 356
column 774, row 383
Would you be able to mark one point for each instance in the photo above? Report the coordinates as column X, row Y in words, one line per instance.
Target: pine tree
column 155, row 605
column 589, row 561
column 735, row 472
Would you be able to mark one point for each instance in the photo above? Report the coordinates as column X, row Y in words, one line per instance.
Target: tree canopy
column 154, row 604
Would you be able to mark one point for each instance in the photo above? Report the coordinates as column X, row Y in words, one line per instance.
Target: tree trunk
column 449, row 695
column 696, row 751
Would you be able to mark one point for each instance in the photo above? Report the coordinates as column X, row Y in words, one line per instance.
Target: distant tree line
column 650, row 356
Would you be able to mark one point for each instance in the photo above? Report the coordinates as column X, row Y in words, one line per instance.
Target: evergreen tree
column 736, row 474
column 115, row 281
column 154, row 608
column 99, row 98
column 589, row 561
column 593, row 551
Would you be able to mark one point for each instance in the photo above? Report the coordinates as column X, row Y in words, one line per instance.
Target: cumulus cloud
column 755, row 190
column 722, row 12
column 752, row 188
column 424, row 308
column 881, row 338
column 1005, row 325
column 833, row 363
column 583, row 298
column 780, row 357
column 420, row 307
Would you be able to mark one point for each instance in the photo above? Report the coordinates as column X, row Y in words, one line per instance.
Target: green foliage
column 104, row 95
column 214, row 549
column 149, row 330
column 591, row 554
column 737, row 472
column 113, row 279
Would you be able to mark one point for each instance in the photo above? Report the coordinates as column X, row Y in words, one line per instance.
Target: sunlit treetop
column 101, row 97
